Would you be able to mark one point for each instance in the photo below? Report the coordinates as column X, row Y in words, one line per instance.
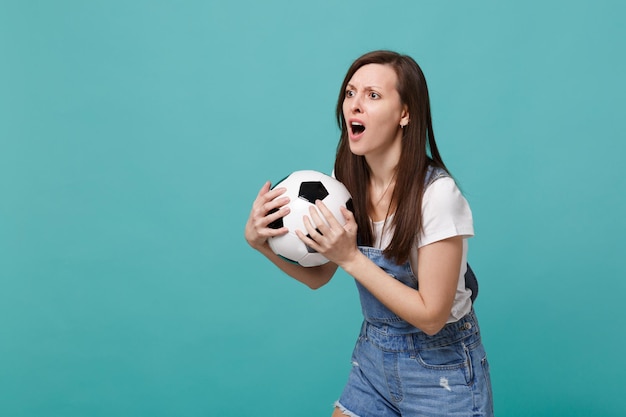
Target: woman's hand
column 257, row 231
column 336, row 242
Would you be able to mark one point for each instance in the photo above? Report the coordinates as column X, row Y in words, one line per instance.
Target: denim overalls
column 398, row 370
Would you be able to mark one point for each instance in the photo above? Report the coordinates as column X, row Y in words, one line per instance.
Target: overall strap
column 433, row 174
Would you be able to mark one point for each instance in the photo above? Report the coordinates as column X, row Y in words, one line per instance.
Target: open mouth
column 357, row 128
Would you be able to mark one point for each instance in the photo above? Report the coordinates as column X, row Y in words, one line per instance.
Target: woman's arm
column 257, row 232
column 439, row 267
column 438, row 270
column 313, row 277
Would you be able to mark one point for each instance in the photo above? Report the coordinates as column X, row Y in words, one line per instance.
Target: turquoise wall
column 134, row 136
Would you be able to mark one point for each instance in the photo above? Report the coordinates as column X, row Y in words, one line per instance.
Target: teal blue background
column 135, row 135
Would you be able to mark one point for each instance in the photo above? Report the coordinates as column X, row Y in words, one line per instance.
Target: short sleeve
column 445, row 213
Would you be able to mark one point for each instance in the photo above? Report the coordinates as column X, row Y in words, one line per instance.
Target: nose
column 355, row 104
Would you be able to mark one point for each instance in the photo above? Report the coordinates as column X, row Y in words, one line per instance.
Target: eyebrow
column 368, row 87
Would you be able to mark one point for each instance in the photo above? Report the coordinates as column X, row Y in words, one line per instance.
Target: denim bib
column 374, row 311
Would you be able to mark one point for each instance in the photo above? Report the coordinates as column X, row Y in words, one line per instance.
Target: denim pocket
column 454, row 356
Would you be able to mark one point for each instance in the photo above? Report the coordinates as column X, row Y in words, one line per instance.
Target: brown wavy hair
column 419, row 151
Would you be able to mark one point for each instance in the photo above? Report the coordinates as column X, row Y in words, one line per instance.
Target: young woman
column 419, row 352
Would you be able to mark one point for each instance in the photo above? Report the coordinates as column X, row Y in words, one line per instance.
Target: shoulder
column 443, row 190
column 445, row 212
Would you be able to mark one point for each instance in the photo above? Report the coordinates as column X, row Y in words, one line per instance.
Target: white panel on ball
column 303, row 188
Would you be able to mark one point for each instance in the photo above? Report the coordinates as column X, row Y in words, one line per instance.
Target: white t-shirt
column 445, row 214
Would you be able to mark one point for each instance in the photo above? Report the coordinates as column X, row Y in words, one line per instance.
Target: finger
column 268, row 201
column 274, row 204
column 351, row 225
column 274, row 214
column 319, row 222
column 308, row 241
column 314, row 232
column 262, row 223
column 273, row 193
column 275, row 232
column 263, row 190
column 259, row 200
column 347, row 214
column 328, row 215
column 262, row 197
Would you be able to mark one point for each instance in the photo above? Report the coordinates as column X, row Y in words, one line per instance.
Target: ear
column 404, row 116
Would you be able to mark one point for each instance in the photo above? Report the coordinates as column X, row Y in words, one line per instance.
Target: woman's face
column 373, row 111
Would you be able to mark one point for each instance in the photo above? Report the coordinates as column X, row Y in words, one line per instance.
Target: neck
column 381, row 189
column 382, row 178
column 382, row 165
column 382, row 170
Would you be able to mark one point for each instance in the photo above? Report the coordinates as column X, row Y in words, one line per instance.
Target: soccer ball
column 303, row 188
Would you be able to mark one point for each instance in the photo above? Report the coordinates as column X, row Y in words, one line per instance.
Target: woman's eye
column 374, row 95
column 349, row 93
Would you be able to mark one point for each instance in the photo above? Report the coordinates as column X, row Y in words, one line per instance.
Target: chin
column 356, row 151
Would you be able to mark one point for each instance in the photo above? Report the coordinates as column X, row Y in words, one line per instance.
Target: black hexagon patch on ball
column 312, row 190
